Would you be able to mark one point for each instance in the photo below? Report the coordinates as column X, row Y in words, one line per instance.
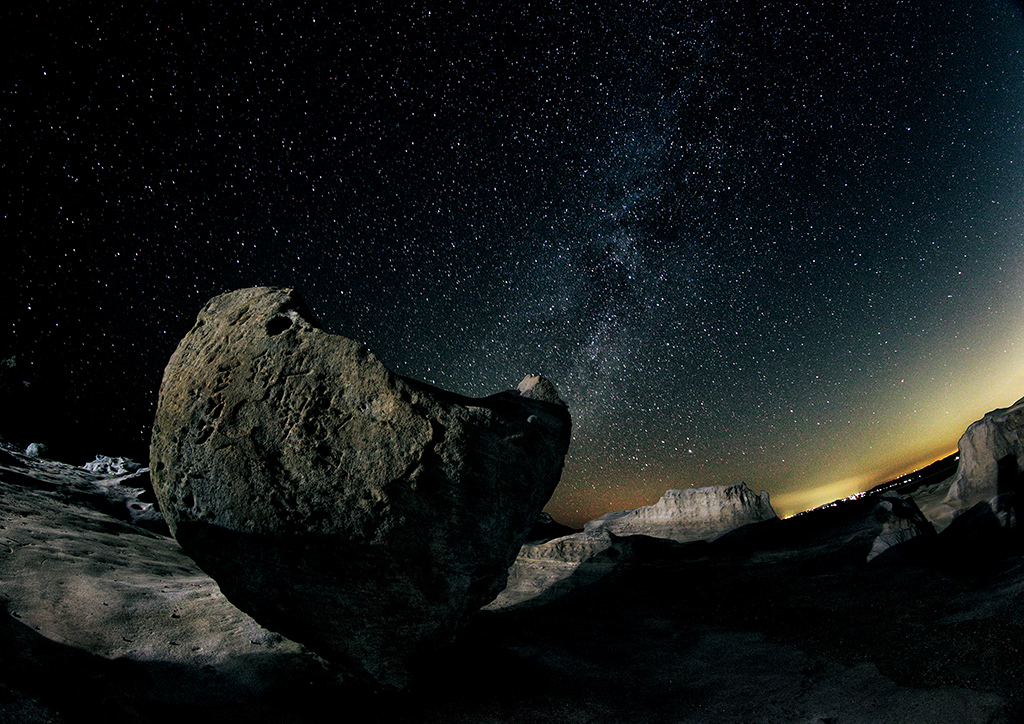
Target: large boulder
column 363, row 514
column 690, row 514
column 991, row 453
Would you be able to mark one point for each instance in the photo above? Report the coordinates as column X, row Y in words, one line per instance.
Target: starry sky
column 773, row 242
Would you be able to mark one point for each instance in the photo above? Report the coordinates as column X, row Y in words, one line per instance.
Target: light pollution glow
column 916, row 419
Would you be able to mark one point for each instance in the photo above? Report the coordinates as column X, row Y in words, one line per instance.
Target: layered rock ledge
column 546, row 569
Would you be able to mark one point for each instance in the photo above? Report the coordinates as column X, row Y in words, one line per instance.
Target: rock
column 358, row 512
column 901, row 521
column 549, row 568
column 991, row 451
column 125, row 496
column 690, row 514
column 115, row 624
column 113, row 466
column 1007, row 508
column 133, row 491
column 37, row 450
column 975, row 541
column 545, row 528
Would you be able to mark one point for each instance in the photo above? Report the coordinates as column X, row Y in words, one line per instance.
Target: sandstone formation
column 901, row 521
column 361, row 513
column 690, row 514
column 544, row 569
column 991, row 453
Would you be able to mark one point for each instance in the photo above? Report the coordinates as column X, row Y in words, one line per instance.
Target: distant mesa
column 361, row 513
column 545, row 569
column 113, row 466
column 690, row 514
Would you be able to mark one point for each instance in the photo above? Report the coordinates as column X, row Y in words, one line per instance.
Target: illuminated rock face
column 545, row 569
column 358, row 512
column 690, row 514
column 991, row 456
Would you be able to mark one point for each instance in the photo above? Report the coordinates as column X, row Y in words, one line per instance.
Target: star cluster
column 778, row 242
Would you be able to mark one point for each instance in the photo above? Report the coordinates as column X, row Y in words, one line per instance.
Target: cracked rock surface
column 363, row 514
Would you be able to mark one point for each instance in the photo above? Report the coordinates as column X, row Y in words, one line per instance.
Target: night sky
column 773, row 242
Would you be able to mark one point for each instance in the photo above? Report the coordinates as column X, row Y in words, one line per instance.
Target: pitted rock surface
column 363, row 514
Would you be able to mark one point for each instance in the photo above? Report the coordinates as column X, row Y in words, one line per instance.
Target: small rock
column 545, row 528
column 1007, row 508
column 37, row 450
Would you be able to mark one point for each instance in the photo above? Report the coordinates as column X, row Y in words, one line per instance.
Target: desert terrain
column 779, row 621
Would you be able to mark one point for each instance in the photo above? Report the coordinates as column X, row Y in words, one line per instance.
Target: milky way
column 776, row 243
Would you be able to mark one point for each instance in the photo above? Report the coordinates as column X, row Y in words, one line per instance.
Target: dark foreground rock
column 360, row 513
column 902, row 521
column 103, row 619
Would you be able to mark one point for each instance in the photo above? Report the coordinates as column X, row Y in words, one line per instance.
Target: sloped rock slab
column 901, row 520
column 358, row 512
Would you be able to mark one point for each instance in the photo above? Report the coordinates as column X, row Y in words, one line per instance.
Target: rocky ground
column 105, row 619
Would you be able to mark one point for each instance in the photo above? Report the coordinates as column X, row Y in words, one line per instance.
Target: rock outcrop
column 113, row 466
column 358, row 512
column 37, row 450
column 901, row 521
column 991, row 454
column 690, row 514
column 548, row 569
